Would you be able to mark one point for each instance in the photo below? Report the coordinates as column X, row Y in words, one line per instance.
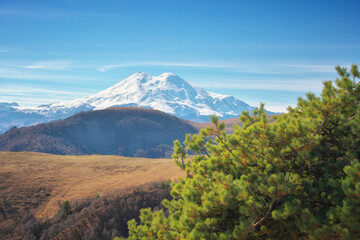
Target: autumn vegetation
column 102, row 217
column 35, row 188
column 295, row 178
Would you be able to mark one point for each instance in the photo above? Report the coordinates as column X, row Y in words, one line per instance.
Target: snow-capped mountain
column 168, row 93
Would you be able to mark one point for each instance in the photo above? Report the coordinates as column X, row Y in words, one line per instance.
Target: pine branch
column 254, row 225
column 205, row 151
column 227, row 148
column 321, row 125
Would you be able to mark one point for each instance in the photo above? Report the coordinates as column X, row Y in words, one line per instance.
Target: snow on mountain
column 10, row 117
column 168, row 93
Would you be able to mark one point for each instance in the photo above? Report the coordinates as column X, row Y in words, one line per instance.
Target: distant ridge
column 126, row 131
column 167, row 92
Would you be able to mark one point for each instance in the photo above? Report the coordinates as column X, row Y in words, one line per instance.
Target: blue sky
column 257, row 51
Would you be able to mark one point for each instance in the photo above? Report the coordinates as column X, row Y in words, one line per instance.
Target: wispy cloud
column 291, row 83
column 28, row 102
column 22, row 73
column 51, row 65
column 165, row 64
column 20, row 90
column 29, row 97
column 253, row 67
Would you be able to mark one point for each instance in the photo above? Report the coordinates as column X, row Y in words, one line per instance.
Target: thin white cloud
column 51, row 65
column 254, row 82
column 253, row 67
column 290, row 84
column 165, row 64
column 57, row 64
column 28, row 74
column 20, row 90
column 26, row 102
column 31, row 97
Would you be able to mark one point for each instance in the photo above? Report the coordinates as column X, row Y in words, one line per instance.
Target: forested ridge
column 295, row 178
column 125, row 131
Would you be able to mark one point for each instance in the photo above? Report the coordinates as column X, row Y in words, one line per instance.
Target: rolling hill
column 125, row 131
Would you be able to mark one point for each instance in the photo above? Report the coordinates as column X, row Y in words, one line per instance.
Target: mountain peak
column 140, row 74
column 166, row 92
column 167, row 74
column 147, row 76
column 142, row 81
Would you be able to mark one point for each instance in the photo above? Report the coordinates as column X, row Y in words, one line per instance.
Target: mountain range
column 167, row 92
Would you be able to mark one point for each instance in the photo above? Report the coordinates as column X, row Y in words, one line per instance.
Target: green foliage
column 66, row 207
column 295, row 178
column 166, row 184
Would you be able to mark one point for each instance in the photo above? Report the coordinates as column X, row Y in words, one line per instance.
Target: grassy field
column 39, row 183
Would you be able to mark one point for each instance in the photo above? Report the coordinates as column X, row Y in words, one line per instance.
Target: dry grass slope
column 39, row 183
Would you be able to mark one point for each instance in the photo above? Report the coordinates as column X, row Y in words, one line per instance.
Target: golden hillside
column 39, row 183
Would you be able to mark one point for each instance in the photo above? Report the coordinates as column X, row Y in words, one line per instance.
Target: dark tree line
column 101, row 217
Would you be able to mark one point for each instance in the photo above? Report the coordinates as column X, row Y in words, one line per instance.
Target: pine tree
column 295, row 178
